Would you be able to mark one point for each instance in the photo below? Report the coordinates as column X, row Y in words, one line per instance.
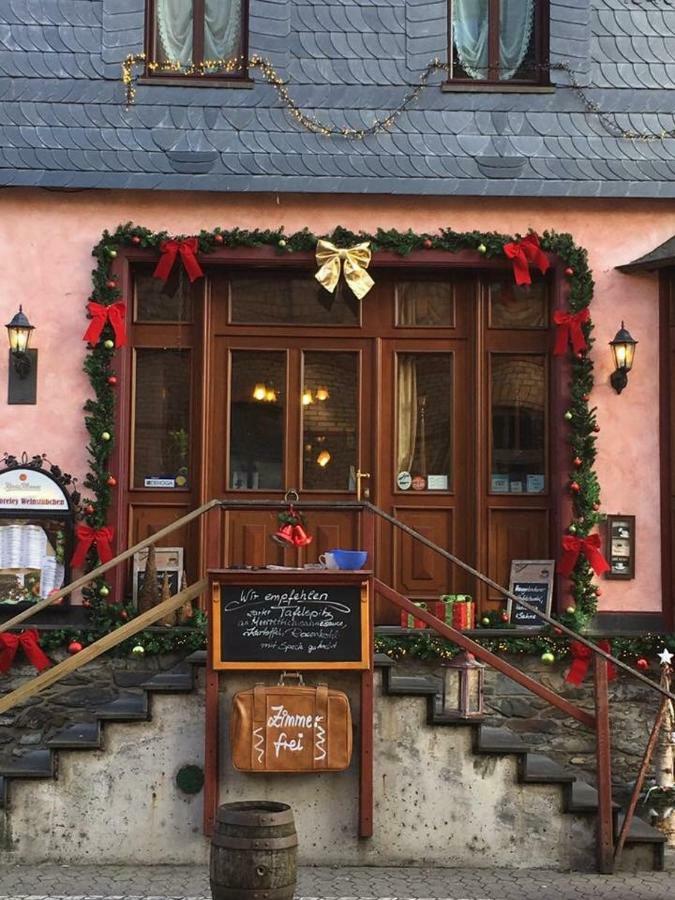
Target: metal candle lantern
column 464, row 687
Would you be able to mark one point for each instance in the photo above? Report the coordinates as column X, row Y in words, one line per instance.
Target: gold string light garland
column 316, row 126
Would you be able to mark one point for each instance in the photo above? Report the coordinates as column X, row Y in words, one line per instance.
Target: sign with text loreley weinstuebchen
column 302, row 625
column 531, row 579
column 26, row 490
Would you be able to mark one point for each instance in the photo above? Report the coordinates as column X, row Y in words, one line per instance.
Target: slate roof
column 63, row 121
column 660, row 257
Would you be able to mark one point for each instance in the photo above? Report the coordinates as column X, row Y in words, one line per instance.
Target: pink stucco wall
column 47, row 241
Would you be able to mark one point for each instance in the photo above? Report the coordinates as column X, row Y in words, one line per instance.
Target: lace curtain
column 470, row 29
column 222, row 26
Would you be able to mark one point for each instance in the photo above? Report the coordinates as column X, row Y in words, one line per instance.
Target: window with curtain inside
column 197, row 36
column 498, row 41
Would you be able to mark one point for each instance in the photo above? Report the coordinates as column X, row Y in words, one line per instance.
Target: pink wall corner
column 47, row 265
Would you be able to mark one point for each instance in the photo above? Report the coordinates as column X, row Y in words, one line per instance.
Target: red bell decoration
column 300, row 536
column 284, row 535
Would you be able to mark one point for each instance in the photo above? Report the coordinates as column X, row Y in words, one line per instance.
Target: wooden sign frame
column 620, row 547
column 329, row 579
column 535, row 572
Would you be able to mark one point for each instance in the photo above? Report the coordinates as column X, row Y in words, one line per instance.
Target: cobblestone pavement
column 162, row 882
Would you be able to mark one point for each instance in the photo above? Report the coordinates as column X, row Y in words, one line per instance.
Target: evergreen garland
column 100, row 410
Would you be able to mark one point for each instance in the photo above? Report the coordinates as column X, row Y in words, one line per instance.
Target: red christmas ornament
column 218, row 239
column 89, row 509
column 504, row 617
column 577, row 461
column 111, row 481
column 642, row 664
column 124, row 615
column 428, row 244
column 598, row 592
column 575, row 487
column 74, row 647
column 585, row 398
column 596, row 506
column 111, row 284
column 112, row 380
column 596, row 428
column 580, row 354
column 135, row 239
column 557, row 631
column 569, row 271
column 86, row 604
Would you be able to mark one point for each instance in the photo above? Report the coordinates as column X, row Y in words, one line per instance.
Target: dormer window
column 187, row 35
column 496, row 41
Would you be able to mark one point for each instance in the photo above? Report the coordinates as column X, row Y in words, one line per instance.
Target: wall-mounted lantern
column 623, row 351
column 22, row 387
column 464, row 687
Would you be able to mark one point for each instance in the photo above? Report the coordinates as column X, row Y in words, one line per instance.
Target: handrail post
column 605, row 835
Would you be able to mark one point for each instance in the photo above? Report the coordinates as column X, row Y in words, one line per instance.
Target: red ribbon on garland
column 28, row 641
column 524, row 253
column 170, row 250
column 589, row 546
column 86, row 536
column 115, row 314
column 570, row 331
column 581, row 660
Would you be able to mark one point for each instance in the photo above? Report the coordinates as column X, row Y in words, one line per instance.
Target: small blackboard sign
column 531, row 579
column 290, row 626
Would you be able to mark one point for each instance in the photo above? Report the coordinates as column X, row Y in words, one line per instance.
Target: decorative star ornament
column 665, row 656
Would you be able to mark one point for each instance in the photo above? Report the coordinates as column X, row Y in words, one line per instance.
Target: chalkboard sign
column 531, row 579
column 307, row 625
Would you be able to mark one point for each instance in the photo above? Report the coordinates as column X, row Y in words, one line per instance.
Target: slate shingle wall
column 63, row 120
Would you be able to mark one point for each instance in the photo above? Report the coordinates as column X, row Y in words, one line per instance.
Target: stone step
column 34, row 764
column 642, row 833
column 79, row 736
column 539, row 769
column 581, row 798
column 126, row 708
column 498, row 740
column 381, row 660
column 172, row 682
column 197, row 658
column 413, row 685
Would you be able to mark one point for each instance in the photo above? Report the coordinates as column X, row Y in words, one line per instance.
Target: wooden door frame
column 424, row 262
column 666, row 285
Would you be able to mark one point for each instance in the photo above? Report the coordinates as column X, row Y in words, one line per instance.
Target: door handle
column 361, row 493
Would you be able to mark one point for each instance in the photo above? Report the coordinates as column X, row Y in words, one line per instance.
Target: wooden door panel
column 419, row 571
column 146, row 520
column 514, row 534
column 331, row 529
column 248, row 540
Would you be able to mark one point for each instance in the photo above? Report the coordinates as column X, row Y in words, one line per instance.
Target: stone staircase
column 51, row 797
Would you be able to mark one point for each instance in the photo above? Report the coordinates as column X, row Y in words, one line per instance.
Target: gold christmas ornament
column 352, row 261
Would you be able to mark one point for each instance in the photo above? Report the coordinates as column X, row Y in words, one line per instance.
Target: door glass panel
column 518, row 424
column 282, row 300
column 257, row 404
column 512, row 306
column 424, row 421
column 169, row 301
column 425, row 303
column 330, row 408
column 162, row 419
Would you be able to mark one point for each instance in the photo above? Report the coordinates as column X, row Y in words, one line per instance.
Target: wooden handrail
column 107, row 642
column 466, row 643
column 104, row 567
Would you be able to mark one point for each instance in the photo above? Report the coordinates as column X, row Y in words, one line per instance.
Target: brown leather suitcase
column 290, row 729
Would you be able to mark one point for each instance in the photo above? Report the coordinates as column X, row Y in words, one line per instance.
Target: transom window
column 498, row 40
column 195, row 34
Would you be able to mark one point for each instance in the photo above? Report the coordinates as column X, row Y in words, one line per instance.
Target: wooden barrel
column 254, row 852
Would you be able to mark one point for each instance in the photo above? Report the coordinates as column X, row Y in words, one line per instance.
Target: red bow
column 570, row 331
column 589, row 546
column 581, row 658
column 28, row 641
column 170, row 250
column 100, row 314
column 523, row 253
column 86, row 536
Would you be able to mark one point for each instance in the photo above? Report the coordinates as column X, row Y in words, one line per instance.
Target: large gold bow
column 354, row 262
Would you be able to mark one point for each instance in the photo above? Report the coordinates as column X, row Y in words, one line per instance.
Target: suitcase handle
column 296, row 675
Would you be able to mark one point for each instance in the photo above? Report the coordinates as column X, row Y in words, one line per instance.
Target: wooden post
column 605, row 835
column 366, row 749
